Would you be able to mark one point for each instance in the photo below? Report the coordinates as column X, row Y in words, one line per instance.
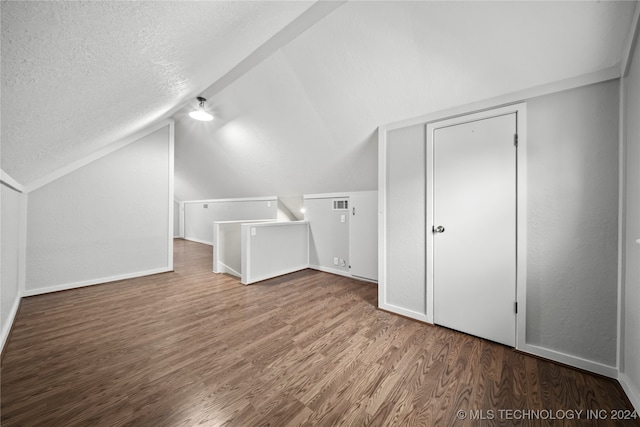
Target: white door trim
column 520, row 110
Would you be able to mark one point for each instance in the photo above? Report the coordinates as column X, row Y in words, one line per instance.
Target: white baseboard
column 575, row 361
column 271, row 275
column 404, row 312
column 67, row 286
column 6, row 328
column 341, row 273
column 224, row 268
column 331, row 270
column 204, row 242
column 630, row 389
column 364, row 279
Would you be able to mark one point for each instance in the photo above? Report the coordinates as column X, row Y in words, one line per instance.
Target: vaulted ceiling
column 298, row 89
column 78, row 75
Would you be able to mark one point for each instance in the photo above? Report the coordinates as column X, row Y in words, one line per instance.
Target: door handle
column 438, row 229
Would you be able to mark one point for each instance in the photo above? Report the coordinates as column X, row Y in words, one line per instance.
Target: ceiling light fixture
column 200, row 113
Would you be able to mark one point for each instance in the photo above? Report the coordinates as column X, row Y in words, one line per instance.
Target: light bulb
column 201, row 115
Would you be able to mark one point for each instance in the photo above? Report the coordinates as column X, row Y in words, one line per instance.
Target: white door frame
column 521, row 209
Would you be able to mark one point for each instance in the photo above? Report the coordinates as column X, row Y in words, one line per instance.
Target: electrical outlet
column 343, row 263
column 335, row 261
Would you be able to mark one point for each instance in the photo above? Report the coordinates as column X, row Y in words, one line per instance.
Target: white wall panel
column 631, row 273
column 273, row 249
column 403, row 285
column 573, row 222
column 198, row 222
column 176, row 219
column 363, row 234
column 107, row 220
column 329, row 233
column 11, row 223
column 227, row 254
column 227, row 247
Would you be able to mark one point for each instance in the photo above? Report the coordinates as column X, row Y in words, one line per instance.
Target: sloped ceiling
column 304, row 120
column 77, row 75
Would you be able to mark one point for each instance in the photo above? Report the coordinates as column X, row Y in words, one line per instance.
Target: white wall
column 404, row 222
column 363, row 235
column 572, row 199
column 198, row 219
column 289, row 208
column 11, row 223
column 227, row 254
column 631, row 274
column 110, row 219
column 573, row 222
column 176, row 219
column 227, row 246
column 271, row 249
column 329, row 236
column 339, row 234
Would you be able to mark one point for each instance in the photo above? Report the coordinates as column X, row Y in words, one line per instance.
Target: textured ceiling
column 300, row 117
column 304, row 121
column 77, row 76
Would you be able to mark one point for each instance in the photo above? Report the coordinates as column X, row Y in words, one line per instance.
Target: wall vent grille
column 341, row 205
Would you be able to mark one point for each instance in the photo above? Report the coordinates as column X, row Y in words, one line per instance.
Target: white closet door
column 474, row 212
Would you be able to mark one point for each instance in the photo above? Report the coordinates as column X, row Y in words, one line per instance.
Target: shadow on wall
column 289, row 208
column 359, row 166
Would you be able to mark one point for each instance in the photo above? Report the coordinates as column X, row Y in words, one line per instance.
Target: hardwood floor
column 307, row 349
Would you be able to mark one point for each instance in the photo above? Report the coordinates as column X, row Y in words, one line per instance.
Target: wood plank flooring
column 192, row 348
